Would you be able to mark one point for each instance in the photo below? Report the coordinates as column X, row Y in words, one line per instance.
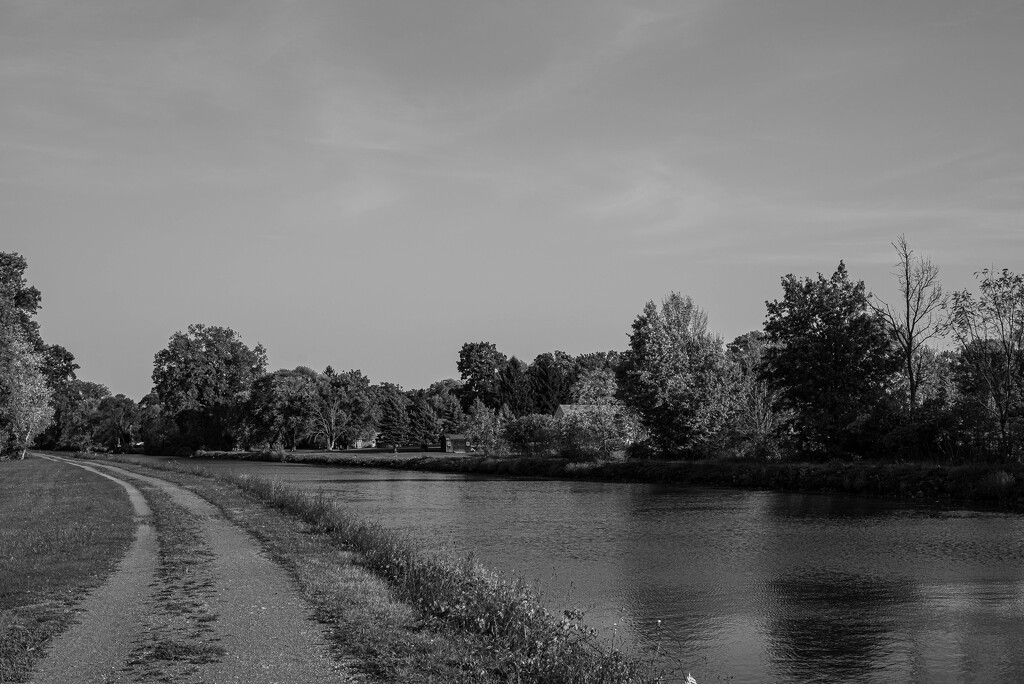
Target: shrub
column 596, row 431
column 532, row 435
column 996, row 484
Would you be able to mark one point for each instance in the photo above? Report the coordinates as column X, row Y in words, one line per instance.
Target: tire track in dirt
column 94, row 649
column 262, row 629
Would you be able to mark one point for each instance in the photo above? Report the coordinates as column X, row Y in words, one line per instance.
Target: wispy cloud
column 650, row 197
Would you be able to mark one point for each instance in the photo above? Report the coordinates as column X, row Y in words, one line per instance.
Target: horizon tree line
column 834, row 373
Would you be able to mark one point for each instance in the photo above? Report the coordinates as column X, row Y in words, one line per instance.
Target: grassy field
column 62, row 532
column 399, row 612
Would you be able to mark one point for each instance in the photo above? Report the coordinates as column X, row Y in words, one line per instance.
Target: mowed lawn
column 62, row 532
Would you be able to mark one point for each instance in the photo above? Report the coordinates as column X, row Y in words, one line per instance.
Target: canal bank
column 987, row 486
column 730, row 584
column 397, row 609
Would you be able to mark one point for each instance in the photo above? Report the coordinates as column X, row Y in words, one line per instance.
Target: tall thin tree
column 918, row 315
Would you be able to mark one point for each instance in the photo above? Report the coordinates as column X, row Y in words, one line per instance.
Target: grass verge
column 401, row 613
column 63, row 531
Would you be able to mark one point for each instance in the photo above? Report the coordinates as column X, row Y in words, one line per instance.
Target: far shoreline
column 994, row 486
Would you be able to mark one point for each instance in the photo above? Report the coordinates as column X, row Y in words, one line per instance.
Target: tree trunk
column 24, row 448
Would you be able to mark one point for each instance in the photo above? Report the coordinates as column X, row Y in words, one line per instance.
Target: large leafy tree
column 602, row 424
column 990, row 329
column 59, row 368
column 674, row 375
column 20, row 300
column 830, row 358
column 157, row 428
column 203, row 378
column 75, row 415
column 343, row 407
column 116, row 423
column 484, row 428
column 24, row 396
column 480, row 365
column 279, row 406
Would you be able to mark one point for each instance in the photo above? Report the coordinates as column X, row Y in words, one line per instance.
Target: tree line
column 834, row 373
column 212, row 392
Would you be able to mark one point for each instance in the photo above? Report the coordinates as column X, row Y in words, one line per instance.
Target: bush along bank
column 983, row 485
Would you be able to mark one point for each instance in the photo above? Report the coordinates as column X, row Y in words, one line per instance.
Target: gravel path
column 256, row 627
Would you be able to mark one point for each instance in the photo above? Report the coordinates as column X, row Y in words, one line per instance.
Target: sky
column 372, row 184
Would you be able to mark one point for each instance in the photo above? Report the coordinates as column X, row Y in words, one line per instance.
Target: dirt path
column 93, row 649
column 229, row 615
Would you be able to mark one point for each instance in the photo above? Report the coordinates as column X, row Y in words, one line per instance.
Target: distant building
column 455, row 444
column 365, row 441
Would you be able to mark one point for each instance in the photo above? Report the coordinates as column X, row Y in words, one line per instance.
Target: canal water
column 730, row 585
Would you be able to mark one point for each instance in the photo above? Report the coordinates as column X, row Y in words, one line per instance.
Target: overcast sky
column 372, row 184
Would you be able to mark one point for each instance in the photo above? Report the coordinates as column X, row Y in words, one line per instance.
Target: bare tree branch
column 918, row 317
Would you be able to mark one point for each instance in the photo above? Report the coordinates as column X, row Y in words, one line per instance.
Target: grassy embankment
column 984, row 485
column 62, row 532
column 400, row 613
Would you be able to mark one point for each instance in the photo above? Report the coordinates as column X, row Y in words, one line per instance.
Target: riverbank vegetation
column 835, row 374
column 402, row 612
column 64, row 530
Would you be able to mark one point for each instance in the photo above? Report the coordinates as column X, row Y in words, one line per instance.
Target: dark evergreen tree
column 393, row 425
column 425, row 426
column 444, row 398
column 552, row 376
column 515, row 392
